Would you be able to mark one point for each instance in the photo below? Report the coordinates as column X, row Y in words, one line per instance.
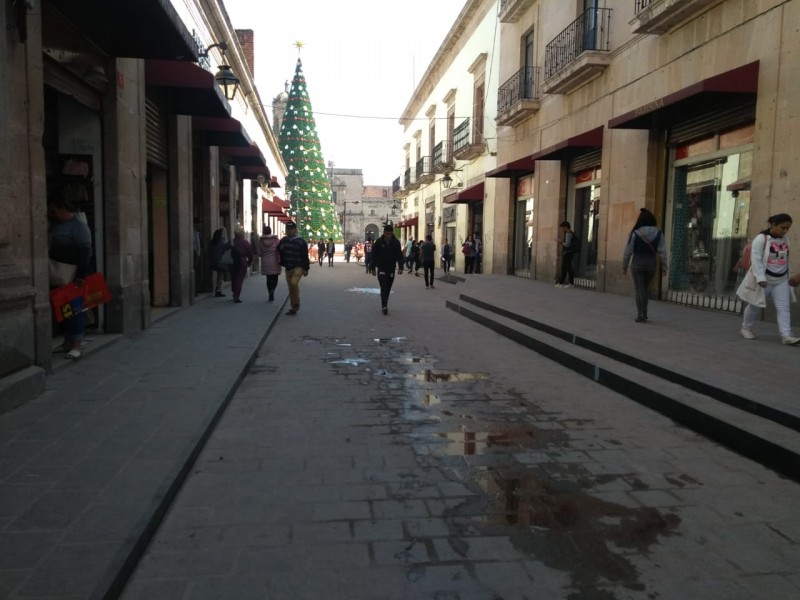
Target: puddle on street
column 429, row 376
column 431, row 399
column 568, row 529
column 392, row 340
column 373, row 291
column 350, row 361
column 469, row 443
column 414, row 360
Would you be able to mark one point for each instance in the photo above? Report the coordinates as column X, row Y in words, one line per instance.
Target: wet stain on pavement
column 526, row 481
column 430, row 376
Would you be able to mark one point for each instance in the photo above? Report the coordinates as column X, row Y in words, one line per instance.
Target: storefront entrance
column 708, row 212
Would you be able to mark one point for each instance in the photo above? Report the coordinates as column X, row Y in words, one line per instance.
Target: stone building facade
column 685, row 108
column 137, row 130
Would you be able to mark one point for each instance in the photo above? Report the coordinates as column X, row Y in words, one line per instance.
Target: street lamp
column 344, row 219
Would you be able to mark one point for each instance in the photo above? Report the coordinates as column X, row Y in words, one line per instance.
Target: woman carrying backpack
column 645, row 241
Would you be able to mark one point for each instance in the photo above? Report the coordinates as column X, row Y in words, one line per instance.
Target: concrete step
column 745, row 425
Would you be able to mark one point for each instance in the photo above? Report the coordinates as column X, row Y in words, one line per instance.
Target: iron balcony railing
column 423, row 167
column 590, row 31
column 442, row 154
column 523, row 85
column 396, row 185
column 642, row 4
column 407, row 178
column 461, row 136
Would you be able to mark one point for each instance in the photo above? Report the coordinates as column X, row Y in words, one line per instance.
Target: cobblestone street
column 419, row 455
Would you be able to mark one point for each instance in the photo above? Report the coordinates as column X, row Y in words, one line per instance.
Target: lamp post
column 344, row 219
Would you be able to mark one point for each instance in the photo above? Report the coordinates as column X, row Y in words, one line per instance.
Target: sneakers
column 749, row 335
column 291, row 311
column 559, row 285
column 74, row 353
column 219, row 295
column 385, row 310
column 790, row 340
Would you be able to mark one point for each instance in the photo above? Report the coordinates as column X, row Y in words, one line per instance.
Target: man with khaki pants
column 293, row 251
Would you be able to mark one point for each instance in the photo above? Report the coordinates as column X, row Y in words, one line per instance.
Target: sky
column 361, row 58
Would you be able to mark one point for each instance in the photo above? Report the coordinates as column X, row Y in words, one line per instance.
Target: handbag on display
column 61, row 273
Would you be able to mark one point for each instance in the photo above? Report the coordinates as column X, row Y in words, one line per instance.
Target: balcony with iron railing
column 467, row 141
column 442, row 157
column 518, row 98
column 412, row 183
column 407, row 179
column 397, row 189
column 659, row 16
column 512, row 10
column 578, row 54
column 422, row 172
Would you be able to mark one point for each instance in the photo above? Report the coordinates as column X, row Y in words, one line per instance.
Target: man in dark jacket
column 293, row 251
column 386, row 253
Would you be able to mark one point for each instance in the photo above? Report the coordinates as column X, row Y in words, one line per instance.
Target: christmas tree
column 312, row 207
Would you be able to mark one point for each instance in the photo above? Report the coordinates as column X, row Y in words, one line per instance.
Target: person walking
column 645, row 242
column 348, row 248
column 267, row 250
column 407, row 252
column 242, row 253
column 428, row 252
column 416, row 257
column 446, row 256
column 293, row 251
column 218, row 245
column 467, row 251
column 569, row 248
column 368, row 254
column 769, row 264
column 386, row 253
column 321, row 249
column 69, row 245
column 330, row 250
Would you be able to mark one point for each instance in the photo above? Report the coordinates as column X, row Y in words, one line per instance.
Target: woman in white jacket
column 770, row 265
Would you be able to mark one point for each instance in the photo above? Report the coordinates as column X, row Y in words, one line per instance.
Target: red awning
column 516, row 168
column 249, row 156
column 191, row 89
column 471, row 194
column 281, row 202
column 268, row 206
column 250, row 172
column 273, row 182
column 221, row 131
column 564, row 150
column 736, row 85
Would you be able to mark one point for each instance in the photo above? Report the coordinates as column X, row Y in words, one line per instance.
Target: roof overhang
column 474, row 193
column 516, row 168
column 252, row 172
column 249, row 156
column 268, row 206
column 281, row 202
column 191, row 90
column 566, row 149
column 222, row 131
column 131, row 28
column 739, row 83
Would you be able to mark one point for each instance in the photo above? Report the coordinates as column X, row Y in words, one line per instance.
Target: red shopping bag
column 66, row 301
column 95, row 291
